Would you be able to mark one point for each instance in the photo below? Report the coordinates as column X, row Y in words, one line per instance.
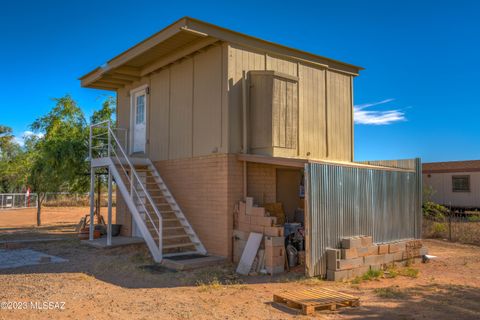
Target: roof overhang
column 300, row 163
column 182, row 38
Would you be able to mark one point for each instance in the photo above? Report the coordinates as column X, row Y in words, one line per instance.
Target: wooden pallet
column 311, row 299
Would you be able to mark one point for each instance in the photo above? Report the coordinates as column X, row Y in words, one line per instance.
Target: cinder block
column 338, row 275
column 367, row 251
column 274, row 231
column 275, row 269
column 367, row 241
column 375, row 267
column 349, row 253
column 243, row 218
column 241, row 208
column 263, row 221
column 423, row 251
column 257, row 228
column 382, row 248
column 276, row 251
column 388, row 258
column 333, row 255
column 248, row 205
column 240, row 235
column 351, row 242
column 274, row 261
column 357, row 272
column 399, row 256
column 274, row 241
column 258, row 211
column 344, row 264
column 396, row 247
column 373, row 260
column 402, row 245
column 244, row 226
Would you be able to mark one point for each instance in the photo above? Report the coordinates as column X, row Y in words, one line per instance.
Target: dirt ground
column 121, row 283
column 56, row 221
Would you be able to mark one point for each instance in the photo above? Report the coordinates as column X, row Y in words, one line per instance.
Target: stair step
column 176, row 237
column 174, row 254
column 173, row 228
column 179, row 245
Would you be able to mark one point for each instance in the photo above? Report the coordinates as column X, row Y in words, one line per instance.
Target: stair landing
column 192, row 261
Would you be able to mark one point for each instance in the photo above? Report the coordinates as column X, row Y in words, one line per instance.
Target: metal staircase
column 159, row 218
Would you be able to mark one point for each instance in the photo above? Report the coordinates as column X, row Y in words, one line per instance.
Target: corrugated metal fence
column 377, row 198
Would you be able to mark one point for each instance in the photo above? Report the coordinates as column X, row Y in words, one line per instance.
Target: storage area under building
column 274, row 208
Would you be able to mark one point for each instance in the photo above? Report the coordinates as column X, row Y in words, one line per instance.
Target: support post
column 109, row 226
column 92, row 202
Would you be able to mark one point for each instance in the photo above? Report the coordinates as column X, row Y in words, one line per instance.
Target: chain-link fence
column 455, row 226
column 17, row 200
column 65, row 199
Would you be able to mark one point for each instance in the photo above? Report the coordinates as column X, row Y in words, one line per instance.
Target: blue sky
column 420, row 57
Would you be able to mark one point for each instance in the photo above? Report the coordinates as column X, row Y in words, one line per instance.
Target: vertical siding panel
column 181, row 102
column 339, row 116
column 159, row 115
column 207, row 122
column 282, row 65
column 312, row 112
column 240, row 59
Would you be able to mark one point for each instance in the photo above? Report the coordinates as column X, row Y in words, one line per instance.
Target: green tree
column 10, row 154
column 106, row 112
column 6, row 136
column 58, row 158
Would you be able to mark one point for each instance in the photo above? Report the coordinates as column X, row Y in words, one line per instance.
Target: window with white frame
column 140, row 109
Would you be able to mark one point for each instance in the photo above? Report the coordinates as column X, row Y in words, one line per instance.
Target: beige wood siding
column 207, row 97
column 312, row 113
column 325, row 119
column 285, row 114
column 160, row 115
column 273, row 114
column 181, row 113
column 260, row 129
column 282, row 65
column 186, row 107
column 339, row 116
column 239, row 60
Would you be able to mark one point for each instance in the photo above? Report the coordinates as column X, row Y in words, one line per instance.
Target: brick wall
column 206, row 189
column 261, row 183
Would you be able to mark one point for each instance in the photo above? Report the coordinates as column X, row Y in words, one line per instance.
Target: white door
column 139, row 115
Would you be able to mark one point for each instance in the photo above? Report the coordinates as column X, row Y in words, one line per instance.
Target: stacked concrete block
column 255, row 219
column 274, row 254
column 357, row 255
column 249, row 218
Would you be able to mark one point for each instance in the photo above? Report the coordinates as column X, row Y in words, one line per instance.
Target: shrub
column 439, row 228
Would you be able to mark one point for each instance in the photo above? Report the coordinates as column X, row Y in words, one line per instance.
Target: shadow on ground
column 433, row 301
column 128, row 267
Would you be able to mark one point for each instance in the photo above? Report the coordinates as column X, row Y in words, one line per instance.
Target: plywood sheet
column 249, row 253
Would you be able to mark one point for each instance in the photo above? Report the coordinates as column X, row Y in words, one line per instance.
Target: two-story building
column 207, row 117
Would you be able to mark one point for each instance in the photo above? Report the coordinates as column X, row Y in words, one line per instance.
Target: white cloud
column 374, row 117
column 21, row 139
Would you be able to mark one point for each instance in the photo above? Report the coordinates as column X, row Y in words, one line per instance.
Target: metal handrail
column 134, row 189
column 133, row 177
